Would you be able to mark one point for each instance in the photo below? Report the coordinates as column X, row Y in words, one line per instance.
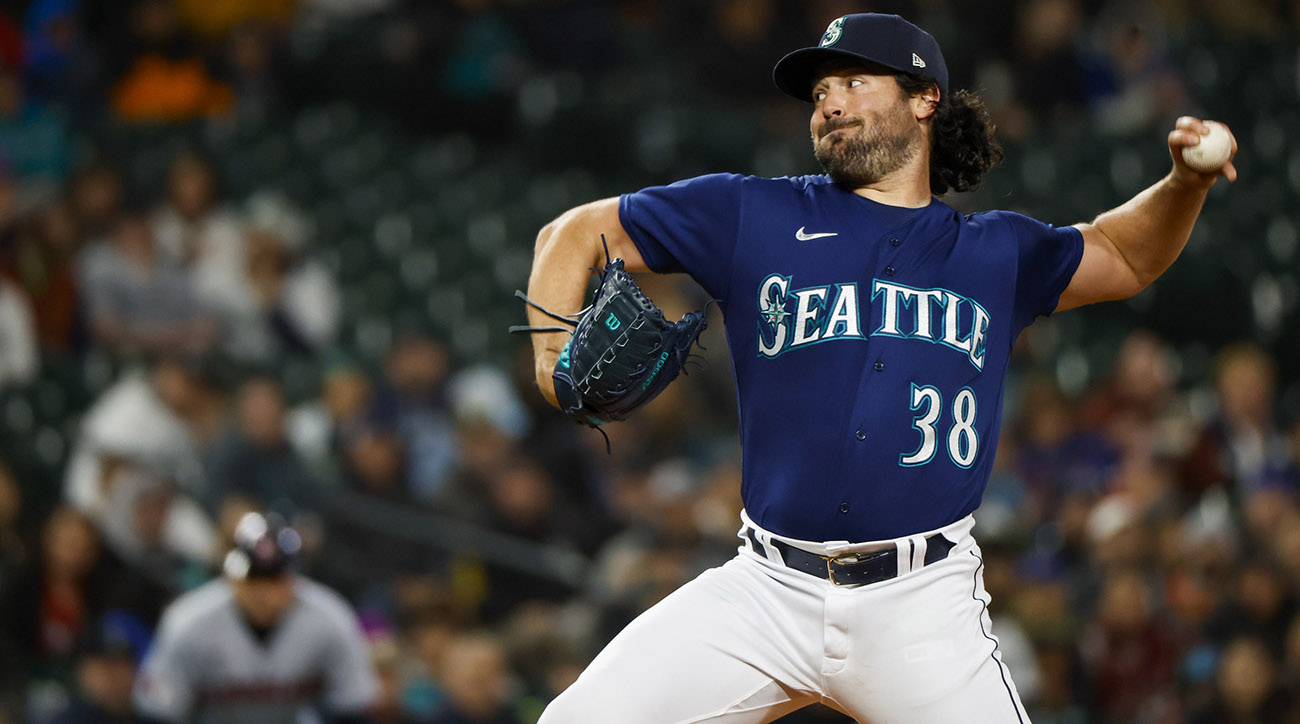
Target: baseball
column 1212, row 152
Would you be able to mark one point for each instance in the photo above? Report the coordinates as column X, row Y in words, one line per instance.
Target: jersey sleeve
column 351, row 685
column 1047, row 257
column 163, row 689
column 690, row 226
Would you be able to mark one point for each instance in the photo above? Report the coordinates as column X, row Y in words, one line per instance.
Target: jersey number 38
column 962, row 440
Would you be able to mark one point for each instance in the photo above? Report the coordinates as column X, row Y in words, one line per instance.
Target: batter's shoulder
column 326, row 601
column 196, row 608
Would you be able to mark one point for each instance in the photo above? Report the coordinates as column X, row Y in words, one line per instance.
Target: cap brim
column 793, row 74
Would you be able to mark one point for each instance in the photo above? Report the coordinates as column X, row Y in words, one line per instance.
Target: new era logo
column 916, row 60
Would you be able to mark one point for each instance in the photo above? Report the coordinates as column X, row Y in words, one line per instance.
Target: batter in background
column 870, row 327
column 260, row 644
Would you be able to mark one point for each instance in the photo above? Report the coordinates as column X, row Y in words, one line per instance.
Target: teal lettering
column 655, row 372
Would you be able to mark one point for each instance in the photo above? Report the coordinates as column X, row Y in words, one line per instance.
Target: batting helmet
column 265, row 547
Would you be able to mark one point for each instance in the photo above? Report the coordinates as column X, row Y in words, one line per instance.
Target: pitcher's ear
column 925, row 104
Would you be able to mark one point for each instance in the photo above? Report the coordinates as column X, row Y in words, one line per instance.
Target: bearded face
column 860, row 150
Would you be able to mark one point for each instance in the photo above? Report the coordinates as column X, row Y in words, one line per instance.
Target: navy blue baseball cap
column 886, row 40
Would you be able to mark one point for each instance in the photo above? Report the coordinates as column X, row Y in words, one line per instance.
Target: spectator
column 106, row 657
column 288, row 303
column 1139, row 86
column 430, row 632
column 253, row 54
column 162, row 76
column 138, row 304
column 253, row 458
column 661, row 547
column 65, row 588
column 490, row 419
column 413, row 399
column 1049, row 69
column 361, row 553
column 199, row 235
column 161, row 420
column 1137, row 393
column 1058, row 697
column 96, row 199
column 544, row 642
column 36, row 144
column 521, row 503
column 1241, row 449
column 318, row 429
column 19, row 354
column 39, row 255
column 1055, row 457
column 1259, row 607
column 385, row 655
column 1245, row 689
column 375, row 461
column 477, row 680
column 1129, row 655
column 484, row 63
column 59, row 66
column 134, row 524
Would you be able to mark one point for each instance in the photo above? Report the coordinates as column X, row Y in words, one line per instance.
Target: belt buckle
column 843, row 560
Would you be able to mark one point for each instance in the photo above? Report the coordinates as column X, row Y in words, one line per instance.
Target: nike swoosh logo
column 801, row 236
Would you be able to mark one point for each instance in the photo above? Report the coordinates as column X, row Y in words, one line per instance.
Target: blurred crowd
column 1141, row 529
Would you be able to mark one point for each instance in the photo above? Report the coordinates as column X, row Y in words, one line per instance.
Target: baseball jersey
column 869, row 342
column 207, row 666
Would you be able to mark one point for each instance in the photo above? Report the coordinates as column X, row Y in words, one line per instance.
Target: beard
column 867, row 152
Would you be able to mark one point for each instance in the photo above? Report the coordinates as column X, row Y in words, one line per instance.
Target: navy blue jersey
column 869, row 343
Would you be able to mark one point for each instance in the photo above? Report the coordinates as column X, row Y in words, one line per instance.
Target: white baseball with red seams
column 1212, row 152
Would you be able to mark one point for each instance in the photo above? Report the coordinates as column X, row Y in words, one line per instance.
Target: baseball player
column 260, row 644
column 870, row 327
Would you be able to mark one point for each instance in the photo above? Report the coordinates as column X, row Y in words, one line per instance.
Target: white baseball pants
column 753, row 640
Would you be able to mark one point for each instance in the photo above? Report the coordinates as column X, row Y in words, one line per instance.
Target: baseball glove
column 623, row 352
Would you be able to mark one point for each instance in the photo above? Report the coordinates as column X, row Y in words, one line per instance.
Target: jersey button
column 880, row 366
column 889, row 271
column 860, row 435
column 894, row 241
column 844, row 507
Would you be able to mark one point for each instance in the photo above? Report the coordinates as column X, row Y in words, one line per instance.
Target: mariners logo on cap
column 833, row 32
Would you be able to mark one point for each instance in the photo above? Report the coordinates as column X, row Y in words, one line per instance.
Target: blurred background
column 259, row 254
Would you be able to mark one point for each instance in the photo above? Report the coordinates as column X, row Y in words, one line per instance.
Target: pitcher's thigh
column 716, row 650
column 924, row 652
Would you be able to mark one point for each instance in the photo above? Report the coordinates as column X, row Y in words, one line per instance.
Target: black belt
column 854, row 569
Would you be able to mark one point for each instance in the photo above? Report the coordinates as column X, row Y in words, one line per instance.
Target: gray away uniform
column 207, row 666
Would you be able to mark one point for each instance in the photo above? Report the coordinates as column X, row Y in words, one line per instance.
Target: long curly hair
column 963, row 144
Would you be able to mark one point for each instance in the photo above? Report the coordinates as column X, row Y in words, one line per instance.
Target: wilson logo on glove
column 608, row 369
